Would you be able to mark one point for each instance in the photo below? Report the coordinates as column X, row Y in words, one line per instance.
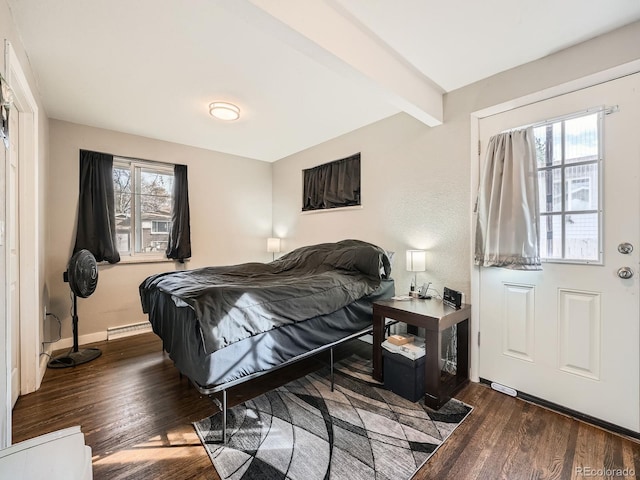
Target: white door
column 13, row 253
column 569, row 334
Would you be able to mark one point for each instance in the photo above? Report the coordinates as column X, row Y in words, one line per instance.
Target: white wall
column 416, row 185
column 230, row 203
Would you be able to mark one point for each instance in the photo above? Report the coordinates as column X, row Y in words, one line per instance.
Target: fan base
column 72, row 359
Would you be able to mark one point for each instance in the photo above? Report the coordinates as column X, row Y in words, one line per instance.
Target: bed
column 224, row 325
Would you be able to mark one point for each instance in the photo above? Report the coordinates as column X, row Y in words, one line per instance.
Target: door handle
column 625, row 272
column 625, row 248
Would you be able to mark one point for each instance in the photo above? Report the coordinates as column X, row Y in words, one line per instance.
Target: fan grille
column 83, row 273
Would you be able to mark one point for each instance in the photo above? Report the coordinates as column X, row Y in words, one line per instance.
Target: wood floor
column 136, row 415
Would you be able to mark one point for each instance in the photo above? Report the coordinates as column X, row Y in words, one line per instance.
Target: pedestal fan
column 82, row 275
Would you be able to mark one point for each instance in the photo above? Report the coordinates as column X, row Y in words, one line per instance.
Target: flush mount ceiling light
column 224, row 111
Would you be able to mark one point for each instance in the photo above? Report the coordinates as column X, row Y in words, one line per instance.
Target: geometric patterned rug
column 304, row 431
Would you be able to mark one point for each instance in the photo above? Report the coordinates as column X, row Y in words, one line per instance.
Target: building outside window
column 569, row 155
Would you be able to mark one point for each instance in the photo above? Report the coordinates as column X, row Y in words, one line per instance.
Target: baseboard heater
column 128, row 330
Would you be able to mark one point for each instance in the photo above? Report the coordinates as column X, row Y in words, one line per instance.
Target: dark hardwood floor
column 136, row 415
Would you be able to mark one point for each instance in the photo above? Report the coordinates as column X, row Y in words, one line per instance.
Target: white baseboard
column 110, row 334
column 82, row 340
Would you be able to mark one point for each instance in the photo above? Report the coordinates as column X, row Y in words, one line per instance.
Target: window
column 332, row 185
column 569, row 154
column 160, row 227
column 143, row 206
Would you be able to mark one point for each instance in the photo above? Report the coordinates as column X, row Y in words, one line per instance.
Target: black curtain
column 179, row 246
column 96, row 229
column 334, row 184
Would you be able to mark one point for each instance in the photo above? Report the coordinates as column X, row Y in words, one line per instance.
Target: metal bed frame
column 210, row 390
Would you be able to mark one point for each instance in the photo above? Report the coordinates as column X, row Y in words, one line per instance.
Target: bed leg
column 331, row 366
column 224, row 417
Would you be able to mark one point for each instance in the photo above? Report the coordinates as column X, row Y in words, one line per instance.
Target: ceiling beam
column 329, row 35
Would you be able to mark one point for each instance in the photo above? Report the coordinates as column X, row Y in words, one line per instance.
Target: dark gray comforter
column 235, row 302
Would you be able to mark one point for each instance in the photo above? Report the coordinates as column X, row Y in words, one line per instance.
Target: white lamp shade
column 416, row 260
column 273, row 245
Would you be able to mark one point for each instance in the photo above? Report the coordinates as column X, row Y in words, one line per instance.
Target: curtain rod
column 603, row 109
column 135, row 159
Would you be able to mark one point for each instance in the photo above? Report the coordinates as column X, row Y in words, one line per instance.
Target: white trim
column 82, row 340
column 571, row 86
column 29, row 211
column 568, row 87
column 5, row 328
column 127, row 259
column 111, row 333
column 335, row 209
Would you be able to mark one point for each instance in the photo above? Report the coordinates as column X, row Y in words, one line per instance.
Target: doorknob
column 625, row 248
column 625, row 272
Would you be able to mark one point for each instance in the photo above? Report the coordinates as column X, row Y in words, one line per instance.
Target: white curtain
column 507, row 230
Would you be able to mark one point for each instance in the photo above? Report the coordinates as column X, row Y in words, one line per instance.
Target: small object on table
column 400, row 339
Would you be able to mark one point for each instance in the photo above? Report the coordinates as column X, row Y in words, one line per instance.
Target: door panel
column 569, row 334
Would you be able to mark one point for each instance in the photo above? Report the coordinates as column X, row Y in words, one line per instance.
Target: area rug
column 304, row 431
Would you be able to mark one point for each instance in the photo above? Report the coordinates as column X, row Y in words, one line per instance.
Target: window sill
column 336, row 209
column 128, row 260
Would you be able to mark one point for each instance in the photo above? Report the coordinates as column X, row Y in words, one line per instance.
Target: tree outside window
column 143, row 206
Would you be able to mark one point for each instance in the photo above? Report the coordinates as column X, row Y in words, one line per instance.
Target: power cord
column 59, row 333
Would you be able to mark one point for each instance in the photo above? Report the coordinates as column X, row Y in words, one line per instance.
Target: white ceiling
column 302, row 72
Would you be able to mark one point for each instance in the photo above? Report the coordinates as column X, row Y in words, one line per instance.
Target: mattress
column 235, row 302
column 180, row 333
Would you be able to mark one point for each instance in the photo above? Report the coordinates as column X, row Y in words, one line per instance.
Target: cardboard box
column 400, row 339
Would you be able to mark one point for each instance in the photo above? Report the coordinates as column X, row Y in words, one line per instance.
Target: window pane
column 581, row 139
column 567, row 190
column 581, row 187
column 550, row 190
column 582, row 236
column 550, row 236
column 123, row 241
column 123, row 198
column 155, row 210
column 122, row 189
column 548, row 140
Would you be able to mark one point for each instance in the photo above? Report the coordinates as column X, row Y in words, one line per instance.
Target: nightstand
column 435, row 317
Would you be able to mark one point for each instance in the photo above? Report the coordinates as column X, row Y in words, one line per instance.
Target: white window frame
column 135, row 165
column 600, row 111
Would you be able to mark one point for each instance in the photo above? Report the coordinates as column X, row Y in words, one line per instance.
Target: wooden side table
column 435, row 317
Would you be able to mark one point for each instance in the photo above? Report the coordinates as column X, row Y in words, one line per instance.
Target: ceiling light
column 224, row 111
